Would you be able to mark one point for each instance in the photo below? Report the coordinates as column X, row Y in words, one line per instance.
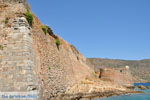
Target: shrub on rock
column 29, row 17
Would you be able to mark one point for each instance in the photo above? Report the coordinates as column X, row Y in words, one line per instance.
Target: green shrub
column 29, row 17
column 48, row 30
column 45, row 29
column 49, row 68
column 6, row 20
column 1, row 47
column 58, row 42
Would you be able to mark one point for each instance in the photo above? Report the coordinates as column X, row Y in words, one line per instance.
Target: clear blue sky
column 118, row 29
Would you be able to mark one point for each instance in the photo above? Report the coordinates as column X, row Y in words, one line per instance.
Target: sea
column 142, row 96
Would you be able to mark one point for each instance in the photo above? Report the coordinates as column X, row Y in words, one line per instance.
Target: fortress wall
column 17, row 58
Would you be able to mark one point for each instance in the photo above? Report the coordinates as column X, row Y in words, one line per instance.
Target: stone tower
column 18, row 75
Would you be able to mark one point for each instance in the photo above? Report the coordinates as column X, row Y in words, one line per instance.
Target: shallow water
column 145, row 91
column 144, row 96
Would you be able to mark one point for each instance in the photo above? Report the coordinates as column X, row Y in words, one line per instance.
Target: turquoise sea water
column 139, row 84
column 144, row 96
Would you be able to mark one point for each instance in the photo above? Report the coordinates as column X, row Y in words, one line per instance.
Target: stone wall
column 17, row 57
column 117, row 75
column 24, row 2
column 30, row 59
column 13, row 1
column 61, row 68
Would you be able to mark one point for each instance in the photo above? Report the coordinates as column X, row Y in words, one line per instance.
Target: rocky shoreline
column 91, row 96
column 143, row 87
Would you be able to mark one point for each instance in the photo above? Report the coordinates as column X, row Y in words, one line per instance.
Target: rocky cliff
column 35, row 60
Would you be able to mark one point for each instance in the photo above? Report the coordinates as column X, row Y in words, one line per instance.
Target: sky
column 115, row 29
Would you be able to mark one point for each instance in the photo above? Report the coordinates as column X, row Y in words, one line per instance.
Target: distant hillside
column 140, row 68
